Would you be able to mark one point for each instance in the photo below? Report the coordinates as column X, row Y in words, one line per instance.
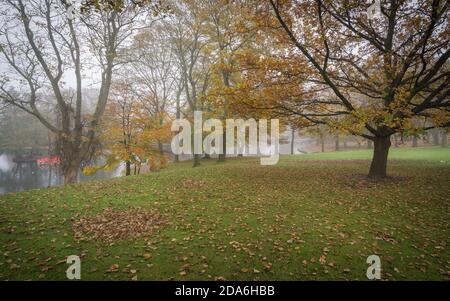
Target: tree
column 155, row 71
column 435, row 136
column 378, row 74
column 228, row 39
column 444, row 138
column 42, row 44
column 292, row 141
column 185, row 28
column 129, row 133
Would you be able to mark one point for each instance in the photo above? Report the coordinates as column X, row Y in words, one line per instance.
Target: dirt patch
column 113, row 225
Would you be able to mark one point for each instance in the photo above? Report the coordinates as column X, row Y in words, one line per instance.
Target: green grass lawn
column 309, row 217
column 417, row 153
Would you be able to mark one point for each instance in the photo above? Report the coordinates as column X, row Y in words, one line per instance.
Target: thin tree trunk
column 380, row 157
column 292, row 140
column 196, row 157
column 196, row 160
column 435, row 135
column 127, row 168
column 322, row 141
column 50, row 175
column 50, row 163
column 161, row 148
column 226, row 81
column 444, row 138
column 178, row 114
column 337, row 143
column 160, row 145
column 222, row 157
column 414, row 141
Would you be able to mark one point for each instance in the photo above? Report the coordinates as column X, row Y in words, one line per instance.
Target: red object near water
column 53, row 160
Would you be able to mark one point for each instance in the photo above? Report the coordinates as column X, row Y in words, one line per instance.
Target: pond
column 14, row 178
column 32, row 176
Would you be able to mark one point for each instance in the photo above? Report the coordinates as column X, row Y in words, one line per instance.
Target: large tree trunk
column 70, row 174
column 71, row 162
column 414, row 141
column 380, row 157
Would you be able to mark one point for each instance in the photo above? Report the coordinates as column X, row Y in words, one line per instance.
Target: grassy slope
column 300, row 219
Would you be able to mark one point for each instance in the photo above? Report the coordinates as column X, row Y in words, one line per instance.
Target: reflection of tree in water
column 27, row 171
column 27, row 174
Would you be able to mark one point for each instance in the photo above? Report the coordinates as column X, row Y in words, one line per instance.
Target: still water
column 29, row 177
column 14, row 179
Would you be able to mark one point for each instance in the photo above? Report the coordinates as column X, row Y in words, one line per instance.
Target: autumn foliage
column 130, row 134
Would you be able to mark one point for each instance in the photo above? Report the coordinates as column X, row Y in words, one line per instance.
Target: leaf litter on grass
column 113, row 225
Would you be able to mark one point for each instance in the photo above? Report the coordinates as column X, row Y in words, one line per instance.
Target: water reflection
column 18, row 177
column 32, row 176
